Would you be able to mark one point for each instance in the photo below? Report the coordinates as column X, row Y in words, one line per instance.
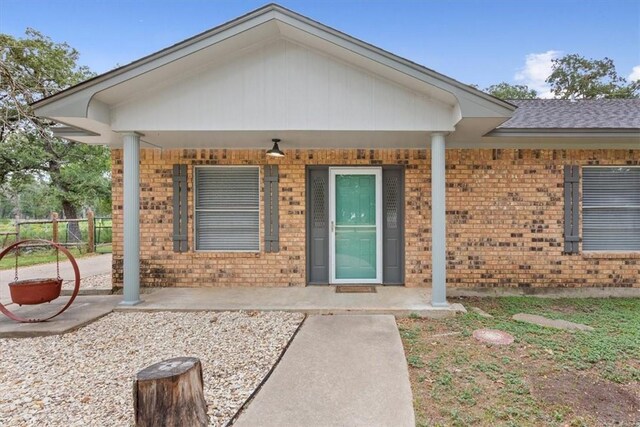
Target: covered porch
column 273, row 74
column 430, row 176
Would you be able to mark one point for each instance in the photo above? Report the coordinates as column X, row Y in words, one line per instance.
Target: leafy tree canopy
column 32, row 68
column 576, row 77
column 506, row 91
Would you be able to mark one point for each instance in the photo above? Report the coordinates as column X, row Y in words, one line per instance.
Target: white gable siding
column 280, row 85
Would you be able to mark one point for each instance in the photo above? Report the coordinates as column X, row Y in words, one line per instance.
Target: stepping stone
column 493, row 336
column 551, row 323
column 480, row 312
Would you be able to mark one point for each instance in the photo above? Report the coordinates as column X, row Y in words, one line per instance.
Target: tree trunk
column 170, row 393
column 73, row 228
column 69, row 209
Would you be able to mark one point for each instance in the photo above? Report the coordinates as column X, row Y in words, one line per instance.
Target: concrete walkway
column 89, row 266
column 338, row 371
column 396, row 300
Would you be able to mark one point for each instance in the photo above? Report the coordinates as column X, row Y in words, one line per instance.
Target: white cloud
column 537, row 67
column 635, row 74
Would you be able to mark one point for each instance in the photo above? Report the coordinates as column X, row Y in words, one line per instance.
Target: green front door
column 355, row 223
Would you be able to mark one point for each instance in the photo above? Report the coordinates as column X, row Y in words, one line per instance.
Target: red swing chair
column 41, row 290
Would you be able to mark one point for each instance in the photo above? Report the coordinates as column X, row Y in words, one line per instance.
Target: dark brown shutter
column 571, row 209
column 271, row 220
column 180, row 212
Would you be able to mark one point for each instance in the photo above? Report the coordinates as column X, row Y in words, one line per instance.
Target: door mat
column 355, row 289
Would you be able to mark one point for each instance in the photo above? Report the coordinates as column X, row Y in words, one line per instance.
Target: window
column 227, row 208
column 611, row 208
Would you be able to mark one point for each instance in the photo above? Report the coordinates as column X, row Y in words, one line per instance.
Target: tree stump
column 170, row 393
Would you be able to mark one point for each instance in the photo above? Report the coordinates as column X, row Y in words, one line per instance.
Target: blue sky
column 481, row 42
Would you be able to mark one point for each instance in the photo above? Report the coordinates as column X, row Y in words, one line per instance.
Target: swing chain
column 17, row 251
column 58, row 263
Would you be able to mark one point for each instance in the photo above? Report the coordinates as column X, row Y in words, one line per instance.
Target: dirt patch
column 457, row 380
column 608, row 402
column 547, row 377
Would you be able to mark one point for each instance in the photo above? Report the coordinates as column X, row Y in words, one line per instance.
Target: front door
column 355, row 221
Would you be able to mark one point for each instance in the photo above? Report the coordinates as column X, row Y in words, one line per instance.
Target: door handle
column 333, row 227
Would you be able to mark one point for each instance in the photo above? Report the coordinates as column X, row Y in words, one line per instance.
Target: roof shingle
column 579, row 114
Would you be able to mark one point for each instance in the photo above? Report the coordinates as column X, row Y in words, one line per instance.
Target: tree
column 32, row 199
column 32, row 68
column 575, row 76
column 506, row 91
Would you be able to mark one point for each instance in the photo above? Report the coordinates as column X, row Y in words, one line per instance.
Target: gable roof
column 87, row 109
column 75, row 99
column 622, row 114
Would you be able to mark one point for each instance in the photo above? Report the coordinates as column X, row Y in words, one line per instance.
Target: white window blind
column 611, row 208
column 227, row 208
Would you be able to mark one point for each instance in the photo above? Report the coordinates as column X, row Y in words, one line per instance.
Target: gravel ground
column 85, row 377
column 101, row 281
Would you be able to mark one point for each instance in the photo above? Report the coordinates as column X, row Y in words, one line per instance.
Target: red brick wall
column 504, row 211
column 506, row 214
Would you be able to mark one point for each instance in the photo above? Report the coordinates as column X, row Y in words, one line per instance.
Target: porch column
column 438, row 222
column 131, row 213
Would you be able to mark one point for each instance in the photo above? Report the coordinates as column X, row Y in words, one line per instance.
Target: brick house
column 275, row 151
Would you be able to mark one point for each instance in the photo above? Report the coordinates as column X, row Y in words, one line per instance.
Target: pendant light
column 275, row 151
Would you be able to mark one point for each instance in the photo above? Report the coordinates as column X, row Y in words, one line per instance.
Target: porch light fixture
column 275, row 151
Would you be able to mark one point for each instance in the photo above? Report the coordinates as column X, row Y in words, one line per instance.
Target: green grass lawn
column 547, row 377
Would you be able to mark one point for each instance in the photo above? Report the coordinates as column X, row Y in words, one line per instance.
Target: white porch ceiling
column 290, row 139
column 294, row 139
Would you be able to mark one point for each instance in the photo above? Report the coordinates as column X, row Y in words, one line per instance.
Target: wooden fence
column 70, row 236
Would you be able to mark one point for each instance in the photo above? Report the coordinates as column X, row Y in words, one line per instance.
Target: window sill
column 611, row 254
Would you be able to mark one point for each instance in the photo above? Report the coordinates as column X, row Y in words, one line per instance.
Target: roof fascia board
column 70, row 131
column 566, row 133
column 574, row 143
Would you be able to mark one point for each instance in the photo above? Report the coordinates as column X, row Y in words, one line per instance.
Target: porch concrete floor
column 395, row 300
